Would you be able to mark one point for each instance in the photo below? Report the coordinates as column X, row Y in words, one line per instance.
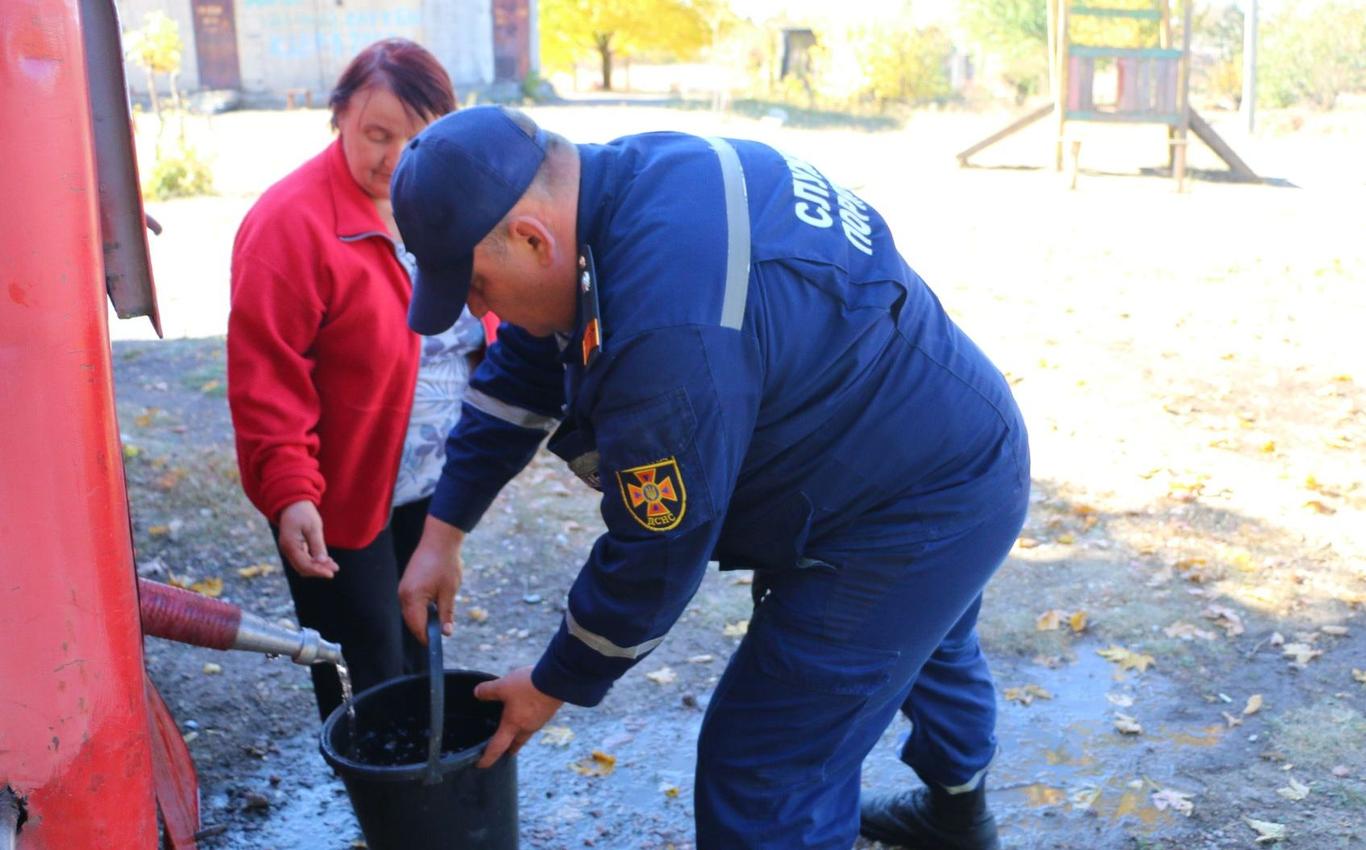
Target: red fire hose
column 186, row 617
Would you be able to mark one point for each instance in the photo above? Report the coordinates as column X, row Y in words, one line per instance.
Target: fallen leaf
column 1295, row 791
column 662, row 676
column 171, row 478
column 1127, row 725
column 670, row 791
column 1177, row 801
column 1026, row 694
column 1319, row 507
column 1254, row 705
column 182, row 582
column 1186, row 631
column 142, row 420
column 1268, row 447
column 1225, row 618
column 1126, row 659
column 131, row 452
column 210, row 386
column 159, row 530
column 211, row 587
column 1267, row 832
column 1085, row 798
column 1300, row 654
column 1067, row 539
column 1077, row 621
column 256, row 570
column 1231, row 720
column 556, row 736
column 478, row 615
column 1161, row 577
column 1026, row 542
column 736, row 629
column 1048, row 621
column 597, row 764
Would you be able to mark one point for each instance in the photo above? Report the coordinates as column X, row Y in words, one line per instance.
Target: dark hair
column 405, row 68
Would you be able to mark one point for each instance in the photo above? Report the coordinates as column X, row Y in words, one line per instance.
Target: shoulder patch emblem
column 654, row 494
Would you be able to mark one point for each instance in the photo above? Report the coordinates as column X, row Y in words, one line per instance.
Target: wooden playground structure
column 1151, row 76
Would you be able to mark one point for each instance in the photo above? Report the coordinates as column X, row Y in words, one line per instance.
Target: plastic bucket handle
column 436, row 679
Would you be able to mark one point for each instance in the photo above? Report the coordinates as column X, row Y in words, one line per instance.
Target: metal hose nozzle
column 180, row 615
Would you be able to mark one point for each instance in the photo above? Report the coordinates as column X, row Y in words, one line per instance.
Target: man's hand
column 433, row 573
column 301, row 539
column 525, row 710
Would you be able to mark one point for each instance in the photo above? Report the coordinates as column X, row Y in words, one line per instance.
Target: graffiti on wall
column 305, row 30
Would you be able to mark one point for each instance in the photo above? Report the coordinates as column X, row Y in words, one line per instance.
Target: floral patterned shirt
column 442, row 375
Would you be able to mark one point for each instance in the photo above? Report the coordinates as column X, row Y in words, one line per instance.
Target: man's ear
column 533, row 232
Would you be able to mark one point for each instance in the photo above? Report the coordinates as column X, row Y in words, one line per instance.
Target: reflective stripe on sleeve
column 603, row 646
column 737, row 235
column 519, row 416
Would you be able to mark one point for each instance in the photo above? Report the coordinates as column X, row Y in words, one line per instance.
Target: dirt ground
column 1192, row 371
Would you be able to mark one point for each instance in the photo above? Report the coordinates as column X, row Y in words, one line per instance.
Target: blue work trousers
column 830, row 657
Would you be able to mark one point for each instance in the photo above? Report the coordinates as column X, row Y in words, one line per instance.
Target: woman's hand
column 301, row 539
column 525, row 710
column 434, row 573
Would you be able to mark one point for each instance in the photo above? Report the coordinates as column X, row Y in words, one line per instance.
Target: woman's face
column 374, row 128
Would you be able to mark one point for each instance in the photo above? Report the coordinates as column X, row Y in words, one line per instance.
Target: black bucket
column 409, row 796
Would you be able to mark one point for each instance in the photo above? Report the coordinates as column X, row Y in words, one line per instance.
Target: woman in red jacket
column 340, row 411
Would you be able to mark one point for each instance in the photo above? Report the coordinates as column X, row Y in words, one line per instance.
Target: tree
column 904, row 65
column 156, row 48
column 614, row 28
column 1314, row 52
column 1016, row 31
column 178, row 171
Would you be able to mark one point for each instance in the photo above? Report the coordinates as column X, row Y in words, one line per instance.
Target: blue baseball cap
column 454, row 182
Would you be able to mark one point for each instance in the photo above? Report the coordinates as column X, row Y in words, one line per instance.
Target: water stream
column 347, row 699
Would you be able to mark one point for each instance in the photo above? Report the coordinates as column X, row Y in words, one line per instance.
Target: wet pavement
column 1065, row 776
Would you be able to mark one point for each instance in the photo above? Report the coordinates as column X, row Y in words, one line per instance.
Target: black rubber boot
column 930, row 819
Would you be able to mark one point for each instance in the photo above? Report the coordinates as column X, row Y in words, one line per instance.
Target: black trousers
column 358, row 608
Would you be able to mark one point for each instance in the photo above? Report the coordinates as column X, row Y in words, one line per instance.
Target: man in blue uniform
column 729, row 347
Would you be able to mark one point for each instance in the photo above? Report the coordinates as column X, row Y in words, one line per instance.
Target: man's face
column 514, row 285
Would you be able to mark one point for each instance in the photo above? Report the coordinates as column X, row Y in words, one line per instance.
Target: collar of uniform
column 588, row 316
column 595, row 190
column 355, row 213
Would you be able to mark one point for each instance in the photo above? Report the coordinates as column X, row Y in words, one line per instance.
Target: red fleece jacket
column 321, row 363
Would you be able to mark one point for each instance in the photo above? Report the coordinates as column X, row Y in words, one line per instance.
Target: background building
column 270, row 49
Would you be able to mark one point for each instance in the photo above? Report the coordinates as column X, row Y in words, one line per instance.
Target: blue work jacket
column 757, row 377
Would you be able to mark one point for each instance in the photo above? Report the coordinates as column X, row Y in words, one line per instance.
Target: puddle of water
column 308, row 810
column 1061, row 759
column 645, row 802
